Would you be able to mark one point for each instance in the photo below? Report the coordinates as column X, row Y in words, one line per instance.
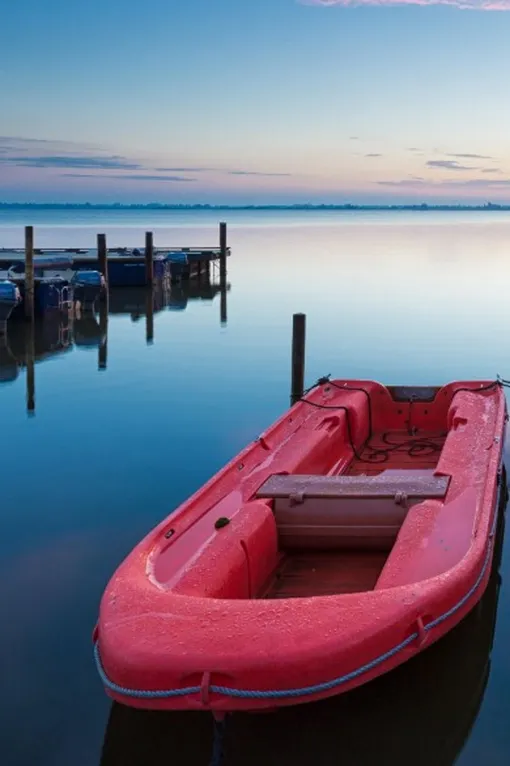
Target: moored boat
column 10, row 298
column 351, row 535
column 88, row 286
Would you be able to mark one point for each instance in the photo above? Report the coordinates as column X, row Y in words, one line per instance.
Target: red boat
column 350, row 536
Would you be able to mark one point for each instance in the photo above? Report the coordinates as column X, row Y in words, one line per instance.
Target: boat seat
column 347, row 512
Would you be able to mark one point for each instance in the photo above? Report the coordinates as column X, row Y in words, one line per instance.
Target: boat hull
column 185, row 623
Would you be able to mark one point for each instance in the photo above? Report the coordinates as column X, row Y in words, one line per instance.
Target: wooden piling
column 149, row 258
column 29, row 297
column 223, row 255
column 102, row 258
column 298, row 357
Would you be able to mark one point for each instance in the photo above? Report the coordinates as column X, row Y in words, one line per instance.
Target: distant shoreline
column 297, row 207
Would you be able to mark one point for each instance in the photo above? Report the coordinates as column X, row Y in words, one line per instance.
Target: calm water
column 125, row 427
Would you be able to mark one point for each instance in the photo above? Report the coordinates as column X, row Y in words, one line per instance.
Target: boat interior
column 351, row 476
column 335, row 537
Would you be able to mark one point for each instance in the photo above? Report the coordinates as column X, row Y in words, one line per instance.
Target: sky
column 255, row 101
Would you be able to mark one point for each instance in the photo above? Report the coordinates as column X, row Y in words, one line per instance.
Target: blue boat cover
column 86, row 277
column 9, row 292
column 45, row 261
column 177, row 257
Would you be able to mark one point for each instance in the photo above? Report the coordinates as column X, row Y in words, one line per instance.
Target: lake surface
column 131, row 416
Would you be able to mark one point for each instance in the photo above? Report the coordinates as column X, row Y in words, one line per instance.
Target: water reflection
column 23, row 345
column 420, row 713
column 20, row 342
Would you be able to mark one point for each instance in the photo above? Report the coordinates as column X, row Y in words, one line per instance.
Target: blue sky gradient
column 263, row 101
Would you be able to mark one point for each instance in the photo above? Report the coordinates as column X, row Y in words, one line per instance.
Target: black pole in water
column 298, row 357
column 149, row 258
column 29, row 297
column 223, row 255
column 223, row 273
column 102, row 259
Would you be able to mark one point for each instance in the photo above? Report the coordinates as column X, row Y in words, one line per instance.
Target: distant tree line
column 298, row 206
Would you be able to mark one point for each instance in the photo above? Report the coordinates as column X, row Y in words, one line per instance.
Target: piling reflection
column 135, row 302
column 201, row 290
column 102, row 355
column 141, row 302
column 420, row 713
column 24, row 344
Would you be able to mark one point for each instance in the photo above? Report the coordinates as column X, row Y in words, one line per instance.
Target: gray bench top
column 386, row 484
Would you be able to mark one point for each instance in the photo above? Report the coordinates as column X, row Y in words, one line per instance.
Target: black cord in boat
column 419, row 446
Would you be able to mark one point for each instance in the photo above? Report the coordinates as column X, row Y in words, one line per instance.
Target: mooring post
column 298, row 357
column 102, row 258
column 149, row 258
column 223, row 255
column 29, row 298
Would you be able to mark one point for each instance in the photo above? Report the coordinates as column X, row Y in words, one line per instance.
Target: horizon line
column 222, row 206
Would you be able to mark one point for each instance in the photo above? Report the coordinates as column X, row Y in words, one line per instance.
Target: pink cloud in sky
column 475, row 5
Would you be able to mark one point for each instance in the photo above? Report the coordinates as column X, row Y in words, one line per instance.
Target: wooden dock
column 121, row 266
column 118, row 266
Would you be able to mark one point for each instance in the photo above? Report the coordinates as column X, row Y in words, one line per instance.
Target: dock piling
column 102, row 257
column 149, row 257
column 223, row 254
column 298, row 357
column 223, row 273
column 29, row 297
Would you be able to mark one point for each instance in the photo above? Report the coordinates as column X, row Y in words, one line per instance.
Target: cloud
column 415, row 181
column 414, row 149
column 482, row 183
column 449, row 165
column 491, row 170
column 130, row 177
column 475, row 5
column 17, row 140
column 21, row 144
column 184, row 170
column 254, row 173
column 467, row 156
column 112, row 162
column 373, row 154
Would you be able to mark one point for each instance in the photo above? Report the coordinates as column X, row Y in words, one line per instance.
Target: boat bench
column 347, row 512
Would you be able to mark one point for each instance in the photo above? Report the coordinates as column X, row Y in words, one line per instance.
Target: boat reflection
column 134, row 300
column 191, row 291
column 420, row 713
column 140, row 302
column 23, row 346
